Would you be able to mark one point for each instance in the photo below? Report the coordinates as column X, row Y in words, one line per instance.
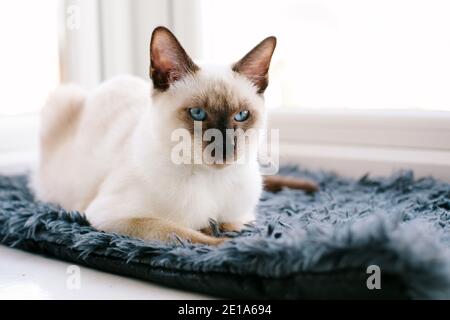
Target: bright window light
column 384, row 54
column 29, row 55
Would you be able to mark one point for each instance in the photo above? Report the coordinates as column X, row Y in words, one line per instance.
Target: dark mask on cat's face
column 220, row 100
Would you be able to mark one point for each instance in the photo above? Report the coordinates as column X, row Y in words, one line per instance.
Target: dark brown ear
column 255, row 64
column 169, row 62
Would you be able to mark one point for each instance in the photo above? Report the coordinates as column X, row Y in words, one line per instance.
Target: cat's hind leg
column 224, row 227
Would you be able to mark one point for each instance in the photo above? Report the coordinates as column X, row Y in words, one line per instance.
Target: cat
column 107, row 153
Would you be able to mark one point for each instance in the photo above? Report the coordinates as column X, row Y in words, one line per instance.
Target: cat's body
column 92, row 162
column 108, row 152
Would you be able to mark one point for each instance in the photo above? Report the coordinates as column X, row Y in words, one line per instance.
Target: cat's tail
column 277, row 183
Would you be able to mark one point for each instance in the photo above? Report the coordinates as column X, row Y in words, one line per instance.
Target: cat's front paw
column 230, row 227
column 214, row 230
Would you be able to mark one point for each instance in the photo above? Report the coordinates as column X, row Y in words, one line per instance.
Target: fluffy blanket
column 301, row 246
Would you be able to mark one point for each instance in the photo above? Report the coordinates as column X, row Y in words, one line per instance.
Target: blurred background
column 387, row 57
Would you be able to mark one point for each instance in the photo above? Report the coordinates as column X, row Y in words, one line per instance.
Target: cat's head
column 221, row 98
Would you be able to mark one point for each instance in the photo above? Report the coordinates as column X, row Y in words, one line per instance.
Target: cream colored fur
column 107, row 153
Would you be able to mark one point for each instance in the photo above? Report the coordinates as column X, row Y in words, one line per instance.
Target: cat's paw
column 230, row 227
column 222, row 227
column 209, row 231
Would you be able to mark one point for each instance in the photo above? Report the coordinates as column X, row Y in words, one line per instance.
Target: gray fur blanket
column 301, row 246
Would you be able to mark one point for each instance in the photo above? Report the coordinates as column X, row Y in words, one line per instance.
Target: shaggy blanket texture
column 301, row 246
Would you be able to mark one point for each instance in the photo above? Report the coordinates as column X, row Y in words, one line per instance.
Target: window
column 29, row 59
column 384, row 54
column 355, row 85
column 30, row 69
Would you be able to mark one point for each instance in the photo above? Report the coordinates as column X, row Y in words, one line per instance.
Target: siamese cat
column 107, row 153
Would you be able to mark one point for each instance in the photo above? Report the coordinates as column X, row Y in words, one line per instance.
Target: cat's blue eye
column 198, row 114
column 241, row 116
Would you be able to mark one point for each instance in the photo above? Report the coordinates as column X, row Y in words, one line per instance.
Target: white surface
column 29, row 276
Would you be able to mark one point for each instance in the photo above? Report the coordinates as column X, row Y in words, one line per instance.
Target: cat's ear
column 255, row 64
column 169, row 62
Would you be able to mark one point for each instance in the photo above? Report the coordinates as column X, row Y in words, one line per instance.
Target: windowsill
column 18, row 133
column 381, row 128
column 18, row 142
column 355, row 161
column 356, row 142
column 17, row 162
